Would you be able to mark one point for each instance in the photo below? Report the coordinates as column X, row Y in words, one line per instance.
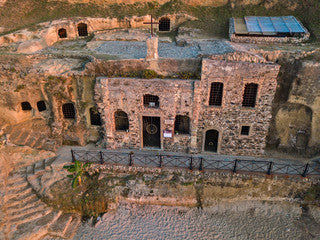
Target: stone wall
column 191, row 98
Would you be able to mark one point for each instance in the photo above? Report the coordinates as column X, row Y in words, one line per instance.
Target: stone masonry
column 191, row 98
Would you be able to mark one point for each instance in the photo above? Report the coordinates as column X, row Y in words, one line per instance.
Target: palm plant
column 77, row 169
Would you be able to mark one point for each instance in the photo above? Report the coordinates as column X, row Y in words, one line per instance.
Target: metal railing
column 194, row 163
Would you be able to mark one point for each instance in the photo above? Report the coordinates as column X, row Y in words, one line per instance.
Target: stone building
column 228, row 111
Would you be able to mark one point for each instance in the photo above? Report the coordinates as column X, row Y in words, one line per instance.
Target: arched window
column 121, row 120
column 182, row 124
column 216, row 93
column 68, row 111
column 82, row 30
column 151, row 101
column 41, row 105
column 211, row 141
column 250, row 95
column 62, row 32
column 26, row 106
column 164, row 24
column 95, row 117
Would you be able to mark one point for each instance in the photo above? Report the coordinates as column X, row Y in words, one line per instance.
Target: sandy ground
column 240, row 220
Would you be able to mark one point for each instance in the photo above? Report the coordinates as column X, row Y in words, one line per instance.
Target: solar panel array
column 273, row 25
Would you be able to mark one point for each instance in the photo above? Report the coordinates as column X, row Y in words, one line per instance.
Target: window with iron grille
column 121, row 120
column 164, row 24
column 26, row 106
column 245, row 130
column 182, row 124
column 95, row 117
column 41, row 105
column 62, row 33
column 82, row 29
column 216, row 93
column 68, row 111
column 250, row 95
column 151, row 101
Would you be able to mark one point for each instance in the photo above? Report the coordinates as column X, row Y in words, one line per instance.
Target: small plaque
column 167, row 133
column 169, row 121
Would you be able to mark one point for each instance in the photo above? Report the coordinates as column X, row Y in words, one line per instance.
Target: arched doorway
column 164, row 24
column 82, row 30
column 211, row 141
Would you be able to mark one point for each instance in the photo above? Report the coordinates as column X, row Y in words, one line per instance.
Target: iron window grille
column 95, row 117
column 245, row 130
column 121, row 121
column 164, row 24
column 62, row 33
column 68, row 111
column 182, row 125
column 26, row 106
column 41, row 105
column 82, row 30
column 151, row 101
column 250, row 95
column 216, row 94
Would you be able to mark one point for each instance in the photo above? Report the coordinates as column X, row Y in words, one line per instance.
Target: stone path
column 25, row 216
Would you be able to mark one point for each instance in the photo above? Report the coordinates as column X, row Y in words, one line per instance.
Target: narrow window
column 68, row 111
column 82, row 30
column 250, row 95
column 121, row 120
column 151, row 101
column 245, row 130
column 95, row 117
column 164, row 24
column 216, row 94
column 26, row 106
column 62, row 33
column 41, row 105
column 182, row 125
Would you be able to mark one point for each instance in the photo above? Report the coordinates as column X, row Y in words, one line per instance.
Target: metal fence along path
column 194, row 163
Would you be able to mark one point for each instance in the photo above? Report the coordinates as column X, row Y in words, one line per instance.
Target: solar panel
column 253, row 25
column 293, row 24
column 279, row 25
column 266, row 25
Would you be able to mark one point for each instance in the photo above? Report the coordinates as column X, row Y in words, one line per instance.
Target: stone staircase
column 26, row 216
column 34, row 133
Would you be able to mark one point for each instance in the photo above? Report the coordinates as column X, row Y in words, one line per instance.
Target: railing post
column 306, row 169
column 130, row 159
column 72, row 155
column 235, row 166
column 201, row 164
column 270, row 168
column 191, row 163
column 101, row 157
column 160, row 161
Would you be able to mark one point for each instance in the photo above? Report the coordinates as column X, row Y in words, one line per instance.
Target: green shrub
column 149, row 74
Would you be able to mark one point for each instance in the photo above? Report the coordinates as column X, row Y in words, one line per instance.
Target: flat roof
column 255, row 25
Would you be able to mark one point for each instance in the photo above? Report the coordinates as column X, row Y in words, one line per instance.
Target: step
column 21, row 205
column 22, row 138
column 20, row 197
column 17, row 201
column 36, row 229
column 15, row 135
column 31, row 141
column 73, row 226
column 13, row 192
column 27, row 210
column 17, row 185
column 29, row 217
column 59, row 227
column 15, row 178
column 38, row 144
